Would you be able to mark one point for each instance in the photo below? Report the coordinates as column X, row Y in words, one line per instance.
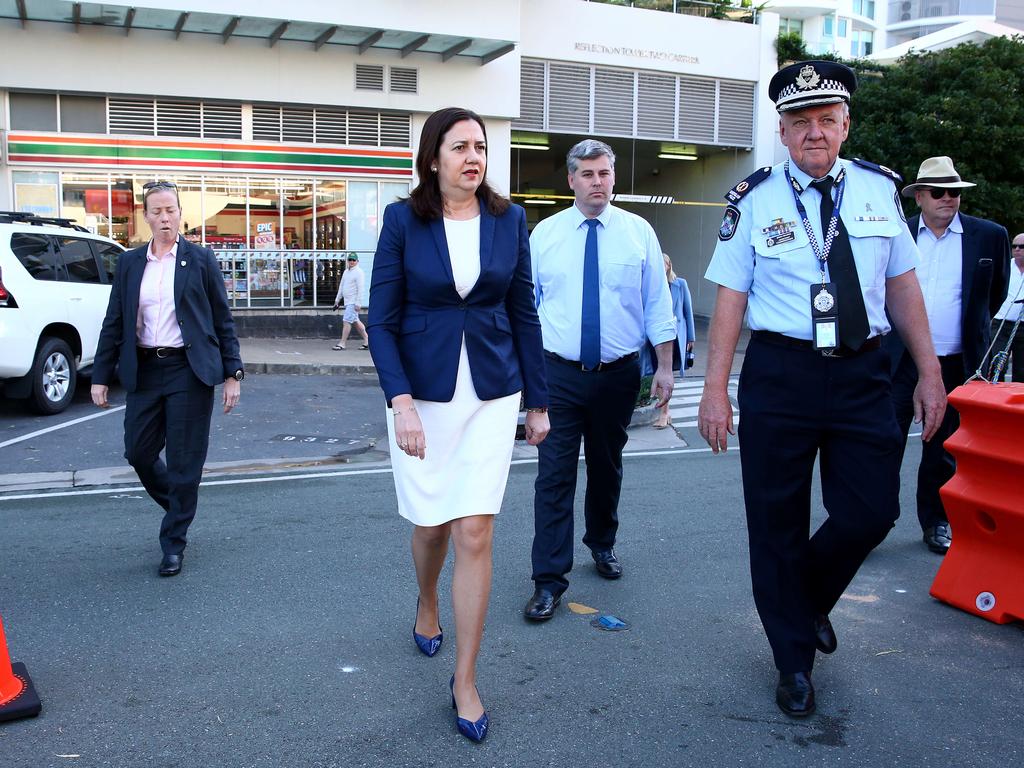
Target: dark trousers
column 796, row 405
column 937, row 464
column 597, row 407
column 1016, row 360
column 170, row 407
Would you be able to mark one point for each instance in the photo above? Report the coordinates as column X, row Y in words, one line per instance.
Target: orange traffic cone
column 18, row 697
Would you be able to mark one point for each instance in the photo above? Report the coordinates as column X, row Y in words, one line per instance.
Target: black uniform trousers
column 595, row 406
column 937, row 464
column 795, row 406
column 169, row 407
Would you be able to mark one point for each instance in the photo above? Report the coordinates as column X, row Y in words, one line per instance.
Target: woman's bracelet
column 537, row 410
column 397, row 412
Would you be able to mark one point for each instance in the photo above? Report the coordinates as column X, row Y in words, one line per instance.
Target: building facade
column 287, row 136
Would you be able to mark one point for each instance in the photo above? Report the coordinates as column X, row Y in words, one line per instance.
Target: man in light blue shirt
column 813, row 251
column 965, row 263
column 601, row 293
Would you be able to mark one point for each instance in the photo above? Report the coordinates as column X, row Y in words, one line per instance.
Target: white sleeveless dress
column 469, row 440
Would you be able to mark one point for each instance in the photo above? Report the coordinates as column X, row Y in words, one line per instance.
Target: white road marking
column 54, row 428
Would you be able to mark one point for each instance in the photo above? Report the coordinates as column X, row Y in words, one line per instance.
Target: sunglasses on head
column 159, row 185
column 937, row 194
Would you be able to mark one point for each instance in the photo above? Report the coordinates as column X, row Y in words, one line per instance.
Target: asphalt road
column 286, row 640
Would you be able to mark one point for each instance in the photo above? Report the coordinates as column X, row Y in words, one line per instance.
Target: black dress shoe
column 938, row 537
column 607, row 564
column 824, row 635
column 541, row 606
column 171, row 565
column 795, row 694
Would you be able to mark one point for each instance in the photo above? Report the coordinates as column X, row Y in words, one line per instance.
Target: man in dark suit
column 169, row 328
column 964, row 270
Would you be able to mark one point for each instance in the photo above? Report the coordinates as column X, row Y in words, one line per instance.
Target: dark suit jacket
column 985, row 278
column 417, row 318
column 200, row 304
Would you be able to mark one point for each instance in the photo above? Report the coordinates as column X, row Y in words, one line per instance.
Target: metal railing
column 286, row 279
column 731, row 10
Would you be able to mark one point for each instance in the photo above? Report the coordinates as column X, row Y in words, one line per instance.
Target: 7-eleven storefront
column 280, row 216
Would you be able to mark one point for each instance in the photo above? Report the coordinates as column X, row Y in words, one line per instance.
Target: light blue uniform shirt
column 777, row 272
column 635, row 301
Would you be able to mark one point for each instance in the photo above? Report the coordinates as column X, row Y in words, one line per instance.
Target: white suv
column 55, row 281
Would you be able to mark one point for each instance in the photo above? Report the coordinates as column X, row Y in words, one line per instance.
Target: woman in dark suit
column 455, row 338
column 169, row 327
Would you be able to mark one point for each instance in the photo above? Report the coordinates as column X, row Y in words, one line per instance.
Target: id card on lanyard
column 824, row 300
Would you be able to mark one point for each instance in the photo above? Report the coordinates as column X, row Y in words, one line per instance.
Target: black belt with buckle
column 609, row 366
column 781, row 340
column 160, row 353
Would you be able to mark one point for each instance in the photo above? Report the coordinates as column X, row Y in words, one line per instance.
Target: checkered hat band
column 808, row 102
column 826, row 87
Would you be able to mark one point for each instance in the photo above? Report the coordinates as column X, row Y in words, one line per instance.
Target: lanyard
column 821, row 252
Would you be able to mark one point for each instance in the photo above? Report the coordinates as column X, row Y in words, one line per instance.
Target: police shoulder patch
column 736, row 194
column 729, row 222
column 895, row 177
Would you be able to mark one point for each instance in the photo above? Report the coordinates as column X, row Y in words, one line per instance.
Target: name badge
column 824, row 316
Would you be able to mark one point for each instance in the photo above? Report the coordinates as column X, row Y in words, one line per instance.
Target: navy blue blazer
column 985, row 277
column 417, row 319
column 200, row 304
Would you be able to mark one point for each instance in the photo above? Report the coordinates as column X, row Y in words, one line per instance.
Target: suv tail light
column 6, row 300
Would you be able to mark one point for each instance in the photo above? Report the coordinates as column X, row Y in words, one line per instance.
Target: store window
column 85, row 198
column 36, row 193
column 33, row 111
column 329, row 236
column 224, row 208
column 267, row 282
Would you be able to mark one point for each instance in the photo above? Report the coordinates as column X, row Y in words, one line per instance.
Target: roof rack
column 23, row 217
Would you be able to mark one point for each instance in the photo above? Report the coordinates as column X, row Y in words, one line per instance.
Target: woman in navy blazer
column 455, row 338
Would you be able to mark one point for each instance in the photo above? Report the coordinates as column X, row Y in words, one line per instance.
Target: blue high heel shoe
column 474, row 731
column 427, row 645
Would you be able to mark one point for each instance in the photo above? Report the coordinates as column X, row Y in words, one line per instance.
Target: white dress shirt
column 634, row 296
column 941, row 276
column 1011, row 311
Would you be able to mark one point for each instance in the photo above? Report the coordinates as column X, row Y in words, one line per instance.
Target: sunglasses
column 937, row 194
column 1017, row 246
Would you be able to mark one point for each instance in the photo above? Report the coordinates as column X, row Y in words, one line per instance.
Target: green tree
column 965, row 102
column 789, row 46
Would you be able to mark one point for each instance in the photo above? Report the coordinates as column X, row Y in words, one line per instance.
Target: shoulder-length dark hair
column 426, row 198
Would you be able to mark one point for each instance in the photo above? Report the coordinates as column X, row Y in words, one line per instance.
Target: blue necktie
column 590, row 328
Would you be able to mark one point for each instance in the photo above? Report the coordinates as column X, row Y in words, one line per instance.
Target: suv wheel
column 53, row 377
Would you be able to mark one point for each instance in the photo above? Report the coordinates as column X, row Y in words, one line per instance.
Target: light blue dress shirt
column 941, row 276
column 777, row 271
column 635, row 300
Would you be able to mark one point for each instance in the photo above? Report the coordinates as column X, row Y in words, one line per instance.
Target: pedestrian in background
column 350, row 292
column 815, row 382
column 601, row 294
column 1009, row 313
column 169, row 332
column 682, row 353
column 456, row 339
column 965, row 265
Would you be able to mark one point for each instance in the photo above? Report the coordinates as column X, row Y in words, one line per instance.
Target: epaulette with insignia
column 736, row 194
column 896, row 178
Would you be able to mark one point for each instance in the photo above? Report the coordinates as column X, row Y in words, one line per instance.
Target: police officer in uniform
column 813, row 250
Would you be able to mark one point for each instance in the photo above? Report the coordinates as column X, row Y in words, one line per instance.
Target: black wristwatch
column 238, row 375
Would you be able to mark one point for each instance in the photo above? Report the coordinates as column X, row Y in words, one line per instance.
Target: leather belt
column 781, row 340
column 160, row 353
column 611, row 365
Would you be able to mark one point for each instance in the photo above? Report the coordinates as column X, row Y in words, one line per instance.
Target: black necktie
column 853, row 318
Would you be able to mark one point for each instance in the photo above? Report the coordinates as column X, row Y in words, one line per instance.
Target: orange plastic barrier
column 17, row 695
column 983, row 572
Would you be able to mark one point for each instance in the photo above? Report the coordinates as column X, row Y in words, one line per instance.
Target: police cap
column 811, row 84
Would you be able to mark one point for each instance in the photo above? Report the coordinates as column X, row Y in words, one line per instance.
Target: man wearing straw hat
column 964, row 271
